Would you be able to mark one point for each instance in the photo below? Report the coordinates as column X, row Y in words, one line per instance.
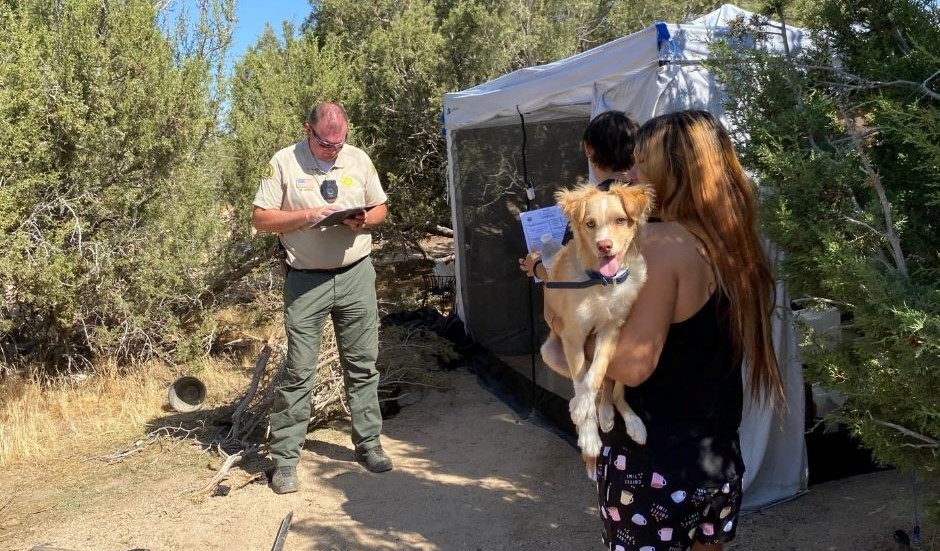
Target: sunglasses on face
column 325, row 144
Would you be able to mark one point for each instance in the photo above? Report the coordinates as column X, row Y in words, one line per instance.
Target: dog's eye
column 591, row 224
column 621, row 221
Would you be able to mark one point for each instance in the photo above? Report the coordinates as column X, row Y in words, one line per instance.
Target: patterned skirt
column 642, row 510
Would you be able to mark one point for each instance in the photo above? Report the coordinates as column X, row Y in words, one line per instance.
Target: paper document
column 536, row 223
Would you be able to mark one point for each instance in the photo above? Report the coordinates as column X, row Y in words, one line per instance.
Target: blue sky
column 253, row 14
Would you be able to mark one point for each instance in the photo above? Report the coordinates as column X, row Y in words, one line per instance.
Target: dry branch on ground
column 407, row 362
column 224, row 474
column 175, row 435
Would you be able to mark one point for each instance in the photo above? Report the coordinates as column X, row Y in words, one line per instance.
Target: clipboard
column 337, row 217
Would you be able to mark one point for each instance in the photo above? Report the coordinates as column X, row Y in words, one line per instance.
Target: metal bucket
column 186, row 394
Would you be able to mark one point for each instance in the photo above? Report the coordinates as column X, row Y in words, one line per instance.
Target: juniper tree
column 843, row 140
column 107, row 210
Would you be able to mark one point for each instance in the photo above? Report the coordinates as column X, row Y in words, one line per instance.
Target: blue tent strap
column 666, row 44
column 662, row 34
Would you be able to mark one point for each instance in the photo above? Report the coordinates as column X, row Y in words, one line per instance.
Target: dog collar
column 594, row 278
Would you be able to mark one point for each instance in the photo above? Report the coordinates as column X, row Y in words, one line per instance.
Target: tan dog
column 591, row 286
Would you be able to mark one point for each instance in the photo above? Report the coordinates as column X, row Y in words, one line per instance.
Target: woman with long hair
column 702, row 316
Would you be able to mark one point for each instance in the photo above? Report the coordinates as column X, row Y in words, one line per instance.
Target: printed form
column 538, row 222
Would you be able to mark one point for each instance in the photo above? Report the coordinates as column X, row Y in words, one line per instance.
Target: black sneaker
column 374, row 459
column 285, row 480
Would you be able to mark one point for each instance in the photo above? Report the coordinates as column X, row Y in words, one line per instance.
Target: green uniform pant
column 349, row 299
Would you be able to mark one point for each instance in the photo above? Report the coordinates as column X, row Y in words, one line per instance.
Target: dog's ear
column 637, row 200
column 571, row 201
column 566, row 201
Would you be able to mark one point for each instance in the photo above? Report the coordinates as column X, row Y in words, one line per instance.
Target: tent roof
column 573, row 81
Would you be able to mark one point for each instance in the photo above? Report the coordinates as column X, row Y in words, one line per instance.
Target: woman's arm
column 644, row 333
column 679, row 282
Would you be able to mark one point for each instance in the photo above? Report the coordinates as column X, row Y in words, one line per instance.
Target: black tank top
column 692, row 402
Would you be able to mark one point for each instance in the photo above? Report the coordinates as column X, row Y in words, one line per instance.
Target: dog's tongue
column 609, row 266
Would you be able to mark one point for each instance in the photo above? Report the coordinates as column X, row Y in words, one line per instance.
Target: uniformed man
column 329, row 273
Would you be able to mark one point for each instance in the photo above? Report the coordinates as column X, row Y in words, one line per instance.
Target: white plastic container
column 549, row 249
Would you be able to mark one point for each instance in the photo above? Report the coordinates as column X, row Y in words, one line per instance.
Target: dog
column 591, row 286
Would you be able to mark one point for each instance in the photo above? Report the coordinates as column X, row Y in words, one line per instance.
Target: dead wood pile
column 411, row 356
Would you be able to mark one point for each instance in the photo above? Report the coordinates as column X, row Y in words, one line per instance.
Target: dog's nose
column 605, row 245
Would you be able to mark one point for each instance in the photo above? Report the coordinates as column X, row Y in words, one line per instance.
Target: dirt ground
column 469, row 474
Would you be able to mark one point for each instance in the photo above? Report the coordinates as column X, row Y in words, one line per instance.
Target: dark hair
column 611, row 135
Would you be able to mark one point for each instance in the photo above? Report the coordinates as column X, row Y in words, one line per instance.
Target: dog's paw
column 605, row 416
column 589, row 442
column 635, row 428
column 581, row 408
column 590, row 465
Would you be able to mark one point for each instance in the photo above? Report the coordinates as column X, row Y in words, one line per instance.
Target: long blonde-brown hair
column 699, row 183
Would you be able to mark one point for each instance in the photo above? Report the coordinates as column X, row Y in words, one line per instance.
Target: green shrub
column 847, row 156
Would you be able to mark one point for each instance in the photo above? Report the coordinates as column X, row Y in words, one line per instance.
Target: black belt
column 328, row 270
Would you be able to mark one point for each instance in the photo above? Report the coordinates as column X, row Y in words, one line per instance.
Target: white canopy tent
column 522, row 130
column 658, row 55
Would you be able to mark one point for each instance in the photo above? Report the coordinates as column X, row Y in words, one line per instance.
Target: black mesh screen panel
column 490, row 183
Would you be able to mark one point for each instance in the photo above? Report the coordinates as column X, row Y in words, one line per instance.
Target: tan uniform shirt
column 293, row 182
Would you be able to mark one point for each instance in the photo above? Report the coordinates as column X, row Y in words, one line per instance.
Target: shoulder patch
column 268, row 172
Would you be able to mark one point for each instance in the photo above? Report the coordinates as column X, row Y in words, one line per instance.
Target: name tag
column 307, row 184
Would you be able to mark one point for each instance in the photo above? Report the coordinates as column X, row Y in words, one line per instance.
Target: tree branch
column 931, row 443
column 853, row 82
column 222, row 474
column 225, row 280
column 874, row 179
column 864, row 225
